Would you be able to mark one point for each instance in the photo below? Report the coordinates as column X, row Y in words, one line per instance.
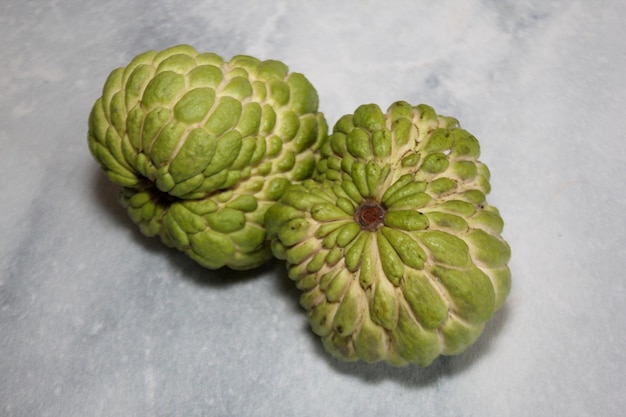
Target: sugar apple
column 397, row 253
column 203, row 146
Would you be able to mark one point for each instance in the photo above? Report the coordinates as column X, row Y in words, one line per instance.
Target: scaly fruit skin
column 203, row 147
column 399, row 256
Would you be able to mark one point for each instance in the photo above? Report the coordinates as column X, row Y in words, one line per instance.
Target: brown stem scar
column 369, row 215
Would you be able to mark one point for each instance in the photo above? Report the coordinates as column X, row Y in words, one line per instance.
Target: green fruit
column 399, row 256
column 203, row 146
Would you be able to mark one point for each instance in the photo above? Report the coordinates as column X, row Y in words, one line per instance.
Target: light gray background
column 97, row 320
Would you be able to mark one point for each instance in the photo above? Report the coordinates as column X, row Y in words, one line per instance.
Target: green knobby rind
column 397, row 253
column 226, row 229
column 178, row 128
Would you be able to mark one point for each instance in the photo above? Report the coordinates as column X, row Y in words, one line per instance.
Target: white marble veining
column 97, row 320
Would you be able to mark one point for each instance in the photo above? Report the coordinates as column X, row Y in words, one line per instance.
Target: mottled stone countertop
column 98, row 320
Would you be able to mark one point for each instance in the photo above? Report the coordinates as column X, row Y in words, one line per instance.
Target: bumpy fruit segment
column 203, row 146
column 397, row 253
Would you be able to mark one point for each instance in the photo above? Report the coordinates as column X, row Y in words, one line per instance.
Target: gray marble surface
column 97, row 320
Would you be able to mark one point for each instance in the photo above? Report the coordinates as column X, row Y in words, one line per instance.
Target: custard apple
column 397, row 253
column 202, row 147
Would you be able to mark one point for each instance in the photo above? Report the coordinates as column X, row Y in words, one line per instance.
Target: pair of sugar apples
column 383, row 223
